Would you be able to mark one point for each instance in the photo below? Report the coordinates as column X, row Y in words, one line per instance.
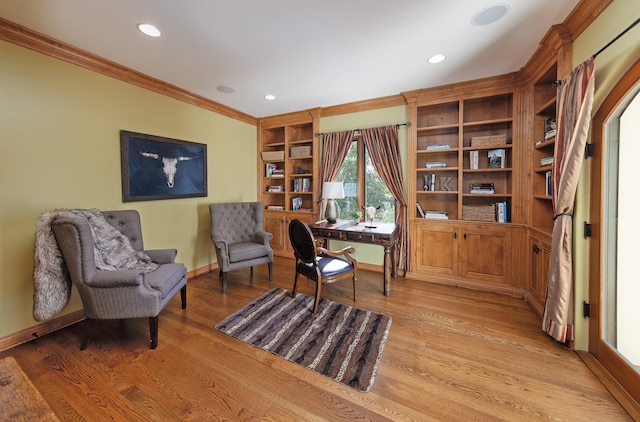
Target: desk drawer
column 361, row 237
column 330, row 234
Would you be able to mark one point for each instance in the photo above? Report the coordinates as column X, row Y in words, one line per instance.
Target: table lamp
column 332, row 191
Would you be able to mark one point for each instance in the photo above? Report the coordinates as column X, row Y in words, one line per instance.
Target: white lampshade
column 332, row 190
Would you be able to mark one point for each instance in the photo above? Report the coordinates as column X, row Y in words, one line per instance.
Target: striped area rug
column 341, row 342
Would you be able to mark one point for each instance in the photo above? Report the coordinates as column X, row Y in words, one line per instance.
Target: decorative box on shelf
column 301, row 151
column 272, row 155
column 479, row 212
column 484, row 141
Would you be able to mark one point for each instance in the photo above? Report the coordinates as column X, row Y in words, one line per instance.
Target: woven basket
column 301, row 151
column 272, row 155
column 479, row 212
column 481, row 141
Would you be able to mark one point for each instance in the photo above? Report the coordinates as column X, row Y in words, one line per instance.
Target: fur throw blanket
column 52, row 282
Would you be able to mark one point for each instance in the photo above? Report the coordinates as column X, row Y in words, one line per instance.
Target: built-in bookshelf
column 544, row 103
column 288, row 179
column 461, row 144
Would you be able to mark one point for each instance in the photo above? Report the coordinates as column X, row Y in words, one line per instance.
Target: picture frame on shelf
column 496, row 158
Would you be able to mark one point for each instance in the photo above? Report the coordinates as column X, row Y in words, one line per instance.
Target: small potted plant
column 356, row 215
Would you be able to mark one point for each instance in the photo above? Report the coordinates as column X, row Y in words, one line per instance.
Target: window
column 363, row 186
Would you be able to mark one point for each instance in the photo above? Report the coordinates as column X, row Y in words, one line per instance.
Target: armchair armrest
column 220, row 243
column 124, row 278
column 342, row 252
column 162, row 256
column 263, row 237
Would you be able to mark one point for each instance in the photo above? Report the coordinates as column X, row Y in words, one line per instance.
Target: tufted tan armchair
column 237, row 233
column 119, row 294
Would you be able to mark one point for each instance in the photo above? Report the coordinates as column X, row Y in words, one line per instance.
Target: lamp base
column 332, row 212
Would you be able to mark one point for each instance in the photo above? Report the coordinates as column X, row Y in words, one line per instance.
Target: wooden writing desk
column 384, row 234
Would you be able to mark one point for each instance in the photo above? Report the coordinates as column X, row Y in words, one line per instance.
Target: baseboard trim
column 40, row 330
column 617, row 391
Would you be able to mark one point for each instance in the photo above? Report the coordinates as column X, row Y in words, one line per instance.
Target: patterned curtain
column 383, row 147
column 335, row 149
column 575, row 101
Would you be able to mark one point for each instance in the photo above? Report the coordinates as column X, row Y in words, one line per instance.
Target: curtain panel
column 575, row 102
column 382, row 144
column 335, row 149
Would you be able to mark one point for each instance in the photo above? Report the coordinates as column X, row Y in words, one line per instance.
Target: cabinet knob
column 455, row 235
column 465, row 236
column 535, row 248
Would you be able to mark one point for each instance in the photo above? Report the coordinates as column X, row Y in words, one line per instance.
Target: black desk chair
column 319, row 264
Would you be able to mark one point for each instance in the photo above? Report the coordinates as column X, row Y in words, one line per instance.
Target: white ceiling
column 307, row 53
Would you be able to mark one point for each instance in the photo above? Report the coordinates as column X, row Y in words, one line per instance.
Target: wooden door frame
column 612, row 361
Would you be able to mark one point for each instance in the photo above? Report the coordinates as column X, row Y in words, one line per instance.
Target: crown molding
column 32, row 40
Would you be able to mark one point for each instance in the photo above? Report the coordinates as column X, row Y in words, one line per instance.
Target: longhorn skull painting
column 161, row 168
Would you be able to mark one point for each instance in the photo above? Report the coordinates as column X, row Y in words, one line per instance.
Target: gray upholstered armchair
column 119, row 294
column 237, row 233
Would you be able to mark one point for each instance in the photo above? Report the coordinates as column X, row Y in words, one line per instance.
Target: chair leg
column 224, row 282
column 355, row 285
column 295, row 285
column 317, row 300
column 183, row 296
column 270, row 270
column 153, row 330
column 88, row 330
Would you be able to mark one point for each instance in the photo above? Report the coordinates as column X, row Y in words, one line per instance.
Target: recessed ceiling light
column 490, row 14
column 270, row 97
column 225, row 89
column 437, row 58
column 148, row 29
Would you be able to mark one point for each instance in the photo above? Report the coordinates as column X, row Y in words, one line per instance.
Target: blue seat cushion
column 329, row 267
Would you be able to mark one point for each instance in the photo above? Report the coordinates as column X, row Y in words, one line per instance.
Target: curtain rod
column 360, row 130
column 616, row 38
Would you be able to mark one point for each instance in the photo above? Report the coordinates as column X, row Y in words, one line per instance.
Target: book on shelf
column 546, row 161
column 548, row 178
column 277, row 173
column 435, row 165
column 496, row 158
column 275, row 207
column 269, row 169
column 275, row 189
column 420, row 210
column 550, row 134
column 436, row 214
column 473, row 159
column 306, row 184
column 501, row 212
column 433, row 182
column 436, row 147
column 427, row 182
column 481, row 188
column 296, row 185
column 296, row 203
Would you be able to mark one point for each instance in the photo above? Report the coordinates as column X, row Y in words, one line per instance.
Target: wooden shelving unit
column 444, row 134
column 288, row 144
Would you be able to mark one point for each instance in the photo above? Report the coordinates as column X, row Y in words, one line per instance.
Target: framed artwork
column 154, row 167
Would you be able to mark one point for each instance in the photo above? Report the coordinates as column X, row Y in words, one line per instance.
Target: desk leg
column 387, row 270
column 394, row 262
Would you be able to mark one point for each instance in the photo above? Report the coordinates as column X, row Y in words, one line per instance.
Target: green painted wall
column 610, row 66
column 60, row 148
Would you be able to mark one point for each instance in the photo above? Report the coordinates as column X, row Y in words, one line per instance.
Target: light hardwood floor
column 452, row 355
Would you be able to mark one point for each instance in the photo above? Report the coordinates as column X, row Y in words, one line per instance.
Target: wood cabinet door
column 436, row 249
column 486, row 253
column 540, row 252
column 274, row 223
